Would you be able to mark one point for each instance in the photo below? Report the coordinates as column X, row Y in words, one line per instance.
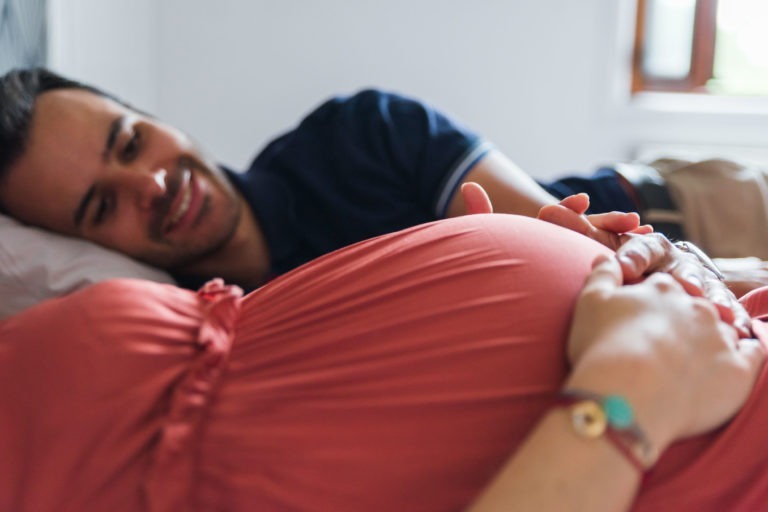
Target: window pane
column 741, row 48
column 669, row 38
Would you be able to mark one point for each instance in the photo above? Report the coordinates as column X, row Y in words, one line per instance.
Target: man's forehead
column 71, row 124
column 74, row 103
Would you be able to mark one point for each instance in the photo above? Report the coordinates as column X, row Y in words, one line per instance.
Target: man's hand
column 605, row 228
column 638, row 256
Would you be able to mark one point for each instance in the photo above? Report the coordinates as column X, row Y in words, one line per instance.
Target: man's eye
column 103, row 208
column 131, row 148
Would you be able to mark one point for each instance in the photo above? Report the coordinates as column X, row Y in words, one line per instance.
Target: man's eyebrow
column 114, row 130
column 83, row 206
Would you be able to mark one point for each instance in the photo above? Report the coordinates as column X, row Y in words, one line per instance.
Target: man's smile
column 98, row 170
column 186, row 197
column 180, row 203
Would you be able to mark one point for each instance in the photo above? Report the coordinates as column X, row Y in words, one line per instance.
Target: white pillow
column 36, row 265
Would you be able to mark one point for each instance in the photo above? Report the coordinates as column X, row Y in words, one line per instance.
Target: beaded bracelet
column 611, row 416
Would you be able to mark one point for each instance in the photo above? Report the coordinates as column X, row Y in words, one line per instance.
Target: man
column 78, row 161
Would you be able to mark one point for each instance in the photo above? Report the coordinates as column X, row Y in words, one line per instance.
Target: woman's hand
column 683, row 369
column 742, row 275
column 640, row 256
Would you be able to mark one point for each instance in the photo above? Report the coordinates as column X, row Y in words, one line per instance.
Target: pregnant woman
column 438, row 368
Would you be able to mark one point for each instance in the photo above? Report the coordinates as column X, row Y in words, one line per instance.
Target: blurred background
column 558, row 85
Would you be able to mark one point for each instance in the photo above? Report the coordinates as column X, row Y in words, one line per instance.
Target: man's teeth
column 182, row 207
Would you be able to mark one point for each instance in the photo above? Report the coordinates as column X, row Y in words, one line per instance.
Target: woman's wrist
column 609, row 417
column 648, row 401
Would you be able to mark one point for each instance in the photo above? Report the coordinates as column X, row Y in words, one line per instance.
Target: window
column 701, row 46
column 22, row 33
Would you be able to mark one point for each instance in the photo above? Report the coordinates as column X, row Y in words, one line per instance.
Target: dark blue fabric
column 364, row 165
column 354, row 168
column 604, row 188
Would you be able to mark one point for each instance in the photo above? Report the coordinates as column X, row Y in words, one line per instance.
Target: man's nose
column 146, row 186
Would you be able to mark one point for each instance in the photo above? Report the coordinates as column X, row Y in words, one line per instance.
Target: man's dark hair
column 19, row 89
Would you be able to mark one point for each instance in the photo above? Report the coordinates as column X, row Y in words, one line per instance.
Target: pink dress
column 396, row 374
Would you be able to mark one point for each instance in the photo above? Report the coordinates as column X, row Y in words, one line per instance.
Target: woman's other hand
column 640, row 256
column 683, row 369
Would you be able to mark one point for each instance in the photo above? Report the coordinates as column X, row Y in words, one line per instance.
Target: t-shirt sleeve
column 356, row 167
column 423, row 147
column 379, row 143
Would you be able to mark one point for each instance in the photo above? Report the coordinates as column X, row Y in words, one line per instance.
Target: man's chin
column 200, row 260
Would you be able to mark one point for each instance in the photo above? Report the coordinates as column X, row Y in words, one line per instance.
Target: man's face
column 100, row 171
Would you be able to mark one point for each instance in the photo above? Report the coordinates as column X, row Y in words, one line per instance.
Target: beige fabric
column 724, row 205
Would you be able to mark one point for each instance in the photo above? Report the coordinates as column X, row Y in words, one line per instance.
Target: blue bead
column 618, row 411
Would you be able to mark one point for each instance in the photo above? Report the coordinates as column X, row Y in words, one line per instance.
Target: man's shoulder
column 364, row 101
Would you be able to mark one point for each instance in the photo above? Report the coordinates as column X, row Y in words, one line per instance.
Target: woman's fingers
column 605, row 276
column 643, row 255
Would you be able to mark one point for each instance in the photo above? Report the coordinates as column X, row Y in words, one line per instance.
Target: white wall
column 110, row 43
column 523, row 73
column 539, row 78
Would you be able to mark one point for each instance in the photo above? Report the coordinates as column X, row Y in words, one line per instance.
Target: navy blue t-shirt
column 356, row 167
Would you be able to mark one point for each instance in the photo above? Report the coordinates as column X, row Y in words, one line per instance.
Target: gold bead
column 589, row 419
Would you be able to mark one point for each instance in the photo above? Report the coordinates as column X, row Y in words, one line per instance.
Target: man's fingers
column 476, row 199
column 565, row 217
column 642, row 229
column 615, row 222
column 578, row 203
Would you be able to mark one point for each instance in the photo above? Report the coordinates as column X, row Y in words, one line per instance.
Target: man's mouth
column 181, row 202
column 186, row 204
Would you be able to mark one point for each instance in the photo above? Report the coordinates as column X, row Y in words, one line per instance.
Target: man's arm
column 638, row 256
column 510, row 189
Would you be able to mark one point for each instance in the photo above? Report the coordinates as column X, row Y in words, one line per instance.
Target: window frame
column 702, row 53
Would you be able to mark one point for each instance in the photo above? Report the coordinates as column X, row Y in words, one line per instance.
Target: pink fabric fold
column 103, row 394
column 172, row 472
